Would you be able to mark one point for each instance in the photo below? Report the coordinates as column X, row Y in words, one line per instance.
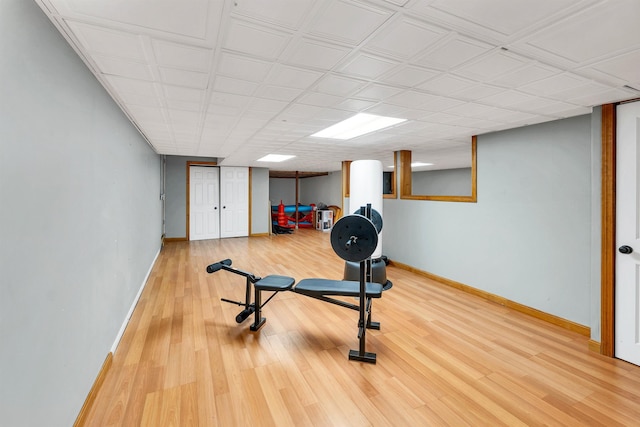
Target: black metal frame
column 361, row 354
column 364, row 306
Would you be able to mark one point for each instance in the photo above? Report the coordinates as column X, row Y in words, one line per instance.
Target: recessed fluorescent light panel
column 357, row 125
column 418, row 164
column 275, row 158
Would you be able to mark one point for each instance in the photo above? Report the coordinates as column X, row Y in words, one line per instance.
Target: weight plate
column 354, row 238
column 376, row 218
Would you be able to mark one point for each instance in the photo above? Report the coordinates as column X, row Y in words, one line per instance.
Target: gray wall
column 529, row 236
column 325, row 189
column 80, row 220
column 445, row 182
column 282, row 189
column 260, row 206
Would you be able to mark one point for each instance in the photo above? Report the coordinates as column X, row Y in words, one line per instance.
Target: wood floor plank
column 444, row 357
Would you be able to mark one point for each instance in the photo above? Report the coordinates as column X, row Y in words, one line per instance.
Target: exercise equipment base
column 255, row 326
column 366, row 357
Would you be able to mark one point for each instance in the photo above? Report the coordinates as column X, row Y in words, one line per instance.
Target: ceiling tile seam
column 386, row 7
column 527, row 32
column 563, row 65
column 222, row 26
column 315, row 5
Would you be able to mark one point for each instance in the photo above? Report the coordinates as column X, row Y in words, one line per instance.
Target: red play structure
column 288, row 216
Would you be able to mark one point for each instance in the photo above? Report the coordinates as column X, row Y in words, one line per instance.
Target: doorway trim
column 188, row 188
column 608, row 231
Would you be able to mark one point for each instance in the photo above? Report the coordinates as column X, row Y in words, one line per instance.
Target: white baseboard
column 133, row 306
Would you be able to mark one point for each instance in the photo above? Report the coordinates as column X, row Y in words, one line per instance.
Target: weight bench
column 353, row 238
column 321, row 289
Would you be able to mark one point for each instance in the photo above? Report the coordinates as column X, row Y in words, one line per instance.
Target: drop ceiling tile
column 187, row 17
column 174, row 76
column 477, row 91
column 183, row 118
column 410, row 99
column 314, row 112
column 259, row 115
column 294, row 77
column 230, row 100
column 131, row 86
column 522, row 76
column 592, row 34
column 623, row 67
column 250, row 123
column 550, row 108
column 442, row 118
column 439, row 103
column 286, row 13
column 224, row 110
column 452, row 53
column 355, row 105
column 571, row 111
column 588, row 88
column 243, row 68
column 316, row 54
column 348, row 21
column 447, row 84
column 254, row 40
column 235, row 86
column 472, row 109
column 139, row 99
column 503, row 16
column 320, row 99
column 404, row 38
column 603, row 97
column 109, row 42
column 267, row 105
column 489, row 66
column 183, row 105
column 278, row 93
column 409, row 76
column 368, row 66
column 185, row 94
column 507, row 98
column 123, row 68
column 217, row 122
column 553, row 85
column 177, row 55
column 148, row 114
column 389, row 110
column 377, row 92
column 338, row 85
column 517, row 117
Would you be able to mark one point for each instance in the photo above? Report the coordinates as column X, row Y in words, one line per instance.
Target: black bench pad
column 346, row 288
column 275, row 283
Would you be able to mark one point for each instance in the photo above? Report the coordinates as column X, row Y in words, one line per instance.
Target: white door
column 234, row 201
column 204, row 199
column 627, row 286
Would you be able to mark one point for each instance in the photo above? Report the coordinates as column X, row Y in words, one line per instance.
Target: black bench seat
column 275, row 283
column 345, row 288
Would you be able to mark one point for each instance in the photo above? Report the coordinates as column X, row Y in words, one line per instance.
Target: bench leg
column 370, row 324
column 259, row 321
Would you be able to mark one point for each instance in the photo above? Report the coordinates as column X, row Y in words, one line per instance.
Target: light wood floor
column 443, row 357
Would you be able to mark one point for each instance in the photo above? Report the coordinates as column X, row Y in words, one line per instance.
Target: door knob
column 624, row 249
